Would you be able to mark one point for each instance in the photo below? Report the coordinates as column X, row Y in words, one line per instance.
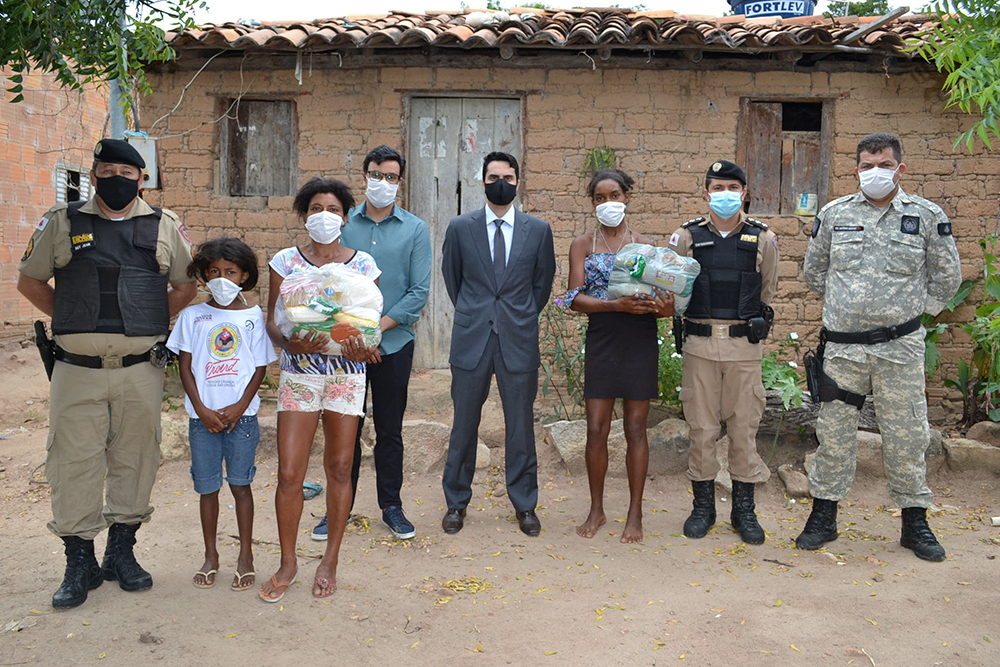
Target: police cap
column 724, row 169
column 118, row 152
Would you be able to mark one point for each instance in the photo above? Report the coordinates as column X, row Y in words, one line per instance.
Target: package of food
column 659, row 267
column 332, row 303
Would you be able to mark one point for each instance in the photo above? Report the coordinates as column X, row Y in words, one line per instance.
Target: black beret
column 727, row 170
column 118, row 152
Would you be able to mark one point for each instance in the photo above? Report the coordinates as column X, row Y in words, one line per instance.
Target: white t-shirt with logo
column 226, row 347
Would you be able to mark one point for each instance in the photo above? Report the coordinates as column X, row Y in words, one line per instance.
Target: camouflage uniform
column 878, row 268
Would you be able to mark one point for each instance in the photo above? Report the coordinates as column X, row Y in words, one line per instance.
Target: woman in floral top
column 315, row 386
column 621, row 348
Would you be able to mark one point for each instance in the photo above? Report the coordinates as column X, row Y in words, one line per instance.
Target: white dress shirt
column 507, row 229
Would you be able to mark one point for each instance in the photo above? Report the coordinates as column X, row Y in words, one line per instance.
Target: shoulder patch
column 755, row 222
column 27, row 251
column 696, row 221
column 774, row 241
column 183, row 230
column 944, row 229
column 817, row 223
column 910, row 224
column 42, row 223
column 674, row 238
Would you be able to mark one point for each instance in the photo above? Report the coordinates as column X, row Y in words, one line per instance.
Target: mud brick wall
column 51, row 129
column 666, row 126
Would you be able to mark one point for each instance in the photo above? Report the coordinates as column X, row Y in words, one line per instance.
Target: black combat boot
column 119, row 561
column 83, row 574
column 917, row 535
column 821, row 527
column 703, row 515
column 743, row 516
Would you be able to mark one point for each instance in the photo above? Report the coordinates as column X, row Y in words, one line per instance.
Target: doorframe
column 522, row 96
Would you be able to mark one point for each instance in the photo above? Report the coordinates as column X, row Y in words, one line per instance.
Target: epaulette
column 696, row 221
column 755, row 223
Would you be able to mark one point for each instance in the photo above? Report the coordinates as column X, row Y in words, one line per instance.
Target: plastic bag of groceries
column 638, row 268
column 335, row 302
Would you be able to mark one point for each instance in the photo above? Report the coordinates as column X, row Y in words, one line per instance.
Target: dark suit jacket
column 479, row 301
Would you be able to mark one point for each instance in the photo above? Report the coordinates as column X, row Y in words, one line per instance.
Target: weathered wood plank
column 759, row 153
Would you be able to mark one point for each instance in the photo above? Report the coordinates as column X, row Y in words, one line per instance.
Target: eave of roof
column 559, row 29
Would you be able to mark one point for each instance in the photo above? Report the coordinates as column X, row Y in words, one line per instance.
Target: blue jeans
column 208, row 450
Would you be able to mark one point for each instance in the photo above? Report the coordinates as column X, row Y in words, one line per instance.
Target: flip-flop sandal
column 275, row 587
column 323, row 582
column 238, row 578
column 209, row 578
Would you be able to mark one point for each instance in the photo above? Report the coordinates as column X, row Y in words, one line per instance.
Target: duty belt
column 821, row 387
column 110, row 361
column 715, row 330
column 873, row 337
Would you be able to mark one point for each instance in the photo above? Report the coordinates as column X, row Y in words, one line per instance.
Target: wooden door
column 448, row 139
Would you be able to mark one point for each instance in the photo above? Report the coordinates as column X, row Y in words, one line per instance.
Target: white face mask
column 324, row 227
column 223, row 290
column 877, row 182
column 381, row 193
column 611, row 213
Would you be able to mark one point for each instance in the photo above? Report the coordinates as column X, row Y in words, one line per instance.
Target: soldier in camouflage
column 878, row 258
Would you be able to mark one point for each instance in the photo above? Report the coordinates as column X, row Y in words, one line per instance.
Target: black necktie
column 499, row 253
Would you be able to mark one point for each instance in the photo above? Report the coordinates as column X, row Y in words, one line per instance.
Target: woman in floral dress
column 315, row 387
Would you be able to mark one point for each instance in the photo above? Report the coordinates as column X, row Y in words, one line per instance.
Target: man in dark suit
column 498, row 265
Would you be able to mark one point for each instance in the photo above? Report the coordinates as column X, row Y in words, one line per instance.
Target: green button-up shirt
column 401, row 246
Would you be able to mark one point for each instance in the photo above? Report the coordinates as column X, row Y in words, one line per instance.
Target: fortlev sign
column 784, row 8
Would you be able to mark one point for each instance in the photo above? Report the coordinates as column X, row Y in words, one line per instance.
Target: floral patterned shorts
column 342, row 393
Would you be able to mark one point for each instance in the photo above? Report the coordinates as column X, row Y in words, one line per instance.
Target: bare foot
column 633, row 530
column 594, row 521
column 325, row 582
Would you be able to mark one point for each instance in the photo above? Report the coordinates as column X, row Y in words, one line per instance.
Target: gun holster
column 46, row 348
column 759, row 327
column 678, row 333
column 822, row 389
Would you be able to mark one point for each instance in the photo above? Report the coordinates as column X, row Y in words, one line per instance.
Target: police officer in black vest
column 120, row 269
column 728, row 316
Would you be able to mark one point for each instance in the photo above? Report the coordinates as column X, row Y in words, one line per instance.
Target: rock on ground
column 986, row 432
column 796, row 484
column 669, row 442
column 425, row 442
column 966, row 455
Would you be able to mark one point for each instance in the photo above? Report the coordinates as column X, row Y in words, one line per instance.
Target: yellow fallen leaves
column 102, row 656
column 551, row 652
column 231, row 636
column 795, row 648
column 414, row 644
column 871, row 621
column 469, row 584
column 778, row 603
column 478, row 648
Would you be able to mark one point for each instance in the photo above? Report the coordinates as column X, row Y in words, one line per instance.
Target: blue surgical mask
column 726, row 204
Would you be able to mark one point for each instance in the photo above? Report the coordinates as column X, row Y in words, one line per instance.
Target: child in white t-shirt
column 224, row 352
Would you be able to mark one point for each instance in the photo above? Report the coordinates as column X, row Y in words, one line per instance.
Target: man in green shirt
column 400, row 243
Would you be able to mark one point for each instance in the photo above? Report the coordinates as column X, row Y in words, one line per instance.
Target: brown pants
column 714, row 392
column 103, row 447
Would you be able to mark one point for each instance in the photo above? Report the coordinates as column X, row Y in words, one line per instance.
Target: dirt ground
column 491, row 596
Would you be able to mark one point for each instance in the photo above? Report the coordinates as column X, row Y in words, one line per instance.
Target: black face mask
column 117, row 192
column 501, row 192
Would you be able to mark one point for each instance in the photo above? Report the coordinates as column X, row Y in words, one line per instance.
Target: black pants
column 387, row 381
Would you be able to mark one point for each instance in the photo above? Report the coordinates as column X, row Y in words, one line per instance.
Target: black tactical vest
column 112, row 283
column 728, row 287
